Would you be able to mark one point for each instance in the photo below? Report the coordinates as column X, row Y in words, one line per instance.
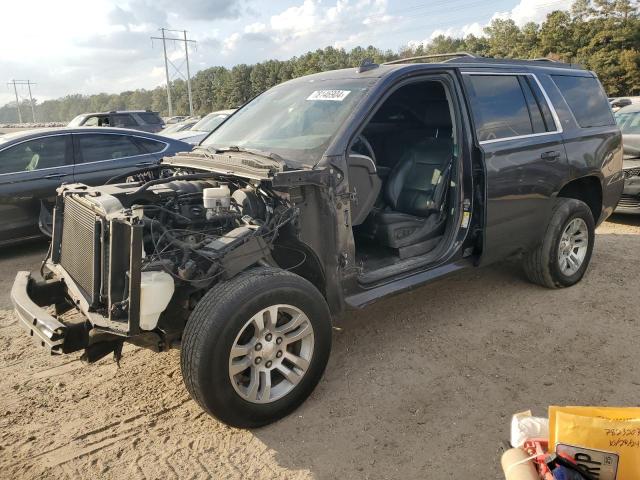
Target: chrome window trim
column 166, row 146
column 554, row 114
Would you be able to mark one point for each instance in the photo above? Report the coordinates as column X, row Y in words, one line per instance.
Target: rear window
column 501, row 109
column 586, row 99
column 150, row 118
column 151, row 146
column 123, row 121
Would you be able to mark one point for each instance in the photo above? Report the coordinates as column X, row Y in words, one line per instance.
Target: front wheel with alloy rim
column 562, row 258
column 255, row 346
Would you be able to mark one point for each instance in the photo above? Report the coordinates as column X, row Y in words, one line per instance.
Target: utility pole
column 186, row 54
column 166, row 71
column 15, row 90
column 33, row 108
column 186, row 41
column 28, row 83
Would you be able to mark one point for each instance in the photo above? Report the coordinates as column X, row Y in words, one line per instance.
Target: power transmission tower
column 15, row 91
column 167, row 61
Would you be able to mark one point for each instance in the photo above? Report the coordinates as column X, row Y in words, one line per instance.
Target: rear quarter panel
column 592, row 151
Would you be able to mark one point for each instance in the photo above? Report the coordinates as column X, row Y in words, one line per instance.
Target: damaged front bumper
column 28, row 298
column 34, row 299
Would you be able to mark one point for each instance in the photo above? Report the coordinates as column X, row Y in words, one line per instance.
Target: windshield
column 76, row 121
column 295, row 120
column 629, row 122
column 211, row 121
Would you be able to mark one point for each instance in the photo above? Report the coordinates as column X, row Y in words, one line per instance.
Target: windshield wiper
column 252, row 151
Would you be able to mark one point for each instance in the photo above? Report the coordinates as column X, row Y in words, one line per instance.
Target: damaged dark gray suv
column 322, row 194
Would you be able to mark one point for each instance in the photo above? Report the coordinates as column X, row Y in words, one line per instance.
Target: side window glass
column 534, row 109
column 499, row 107
column 46, row 152
column 150, row 118
column 123, row 121
column 586, row 100
column 542, row 104
column 151, row 146
column 98, row 147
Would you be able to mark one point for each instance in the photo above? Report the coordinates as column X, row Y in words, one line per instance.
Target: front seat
column 415, row 194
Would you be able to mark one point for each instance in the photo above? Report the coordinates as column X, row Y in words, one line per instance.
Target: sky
column 80, row 46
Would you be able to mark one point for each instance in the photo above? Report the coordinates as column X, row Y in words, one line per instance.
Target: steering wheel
column 363, row 142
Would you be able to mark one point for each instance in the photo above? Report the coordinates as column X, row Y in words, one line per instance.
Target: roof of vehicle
column 634, row 107
column 119, row 111
column 36, row 132
column 410, row 64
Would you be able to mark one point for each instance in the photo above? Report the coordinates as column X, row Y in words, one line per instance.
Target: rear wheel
column 564, row 254
column 255, row 346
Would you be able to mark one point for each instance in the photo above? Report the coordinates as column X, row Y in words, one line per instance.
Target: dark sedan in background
column 34, row 163
column 628, row 119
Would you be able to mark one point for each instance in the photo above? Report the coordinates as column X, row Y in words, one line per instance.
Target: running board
column 365, row 297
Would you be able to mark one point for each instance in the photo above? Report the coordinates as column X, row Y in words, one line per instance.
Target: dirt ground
column 421, row 385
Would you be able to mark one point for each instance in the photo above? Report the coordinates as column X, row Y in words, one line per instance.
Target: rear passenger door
column 100, row 156
column 519, row 137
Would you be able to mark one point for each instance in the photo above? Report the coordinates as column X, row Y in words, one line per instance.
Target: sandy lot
column 421, row 385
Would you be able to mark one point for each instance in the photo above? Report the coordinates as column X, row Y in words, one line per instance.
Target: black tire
column 212, row 329
column 541, row 264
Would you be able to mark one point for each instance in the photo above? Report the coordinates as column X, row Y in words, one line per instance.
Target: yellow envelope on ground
column 605, row 441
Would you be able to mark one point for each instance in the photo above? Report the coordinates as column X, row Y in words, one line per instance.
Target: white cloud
column 229, row 44
column 314, row 24
column 525, row 11
column 257, row 27
column 533, row 10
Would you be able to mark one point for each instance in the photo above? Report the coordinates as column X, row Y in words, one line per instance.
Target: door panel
column 49, row 160
column 519, row 137
column 523, row 176
column 103, row 156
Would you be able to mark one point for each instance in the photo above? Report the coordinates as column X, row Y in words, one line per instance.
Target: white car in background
column 203, row 128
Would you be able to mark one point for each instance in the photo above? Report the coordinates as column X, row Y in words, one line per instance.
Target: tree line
column 600, row 35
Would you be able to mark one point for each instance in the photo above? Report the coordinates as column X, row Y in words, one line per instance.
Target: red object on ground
column 539, row 447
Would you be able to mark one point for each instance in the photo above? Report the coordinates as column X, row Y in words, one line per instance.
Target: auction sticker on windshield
column 332, row 95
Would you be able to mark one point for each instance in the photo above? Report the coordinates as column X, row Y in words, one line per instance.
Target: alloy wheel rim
column 573, row 245
column 271, row 353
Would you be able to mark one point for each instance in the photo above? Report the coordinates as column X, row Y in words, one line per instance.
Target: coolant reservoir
column 216, row 197
column 156, row 290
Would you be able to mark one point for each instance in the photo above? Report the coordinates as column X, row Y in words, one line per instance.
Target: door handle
column 550, row 156
column 55, row 175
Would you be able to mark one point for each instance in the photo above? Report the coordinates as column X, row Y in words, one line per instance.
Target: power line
column 186, row 41
column 28, row 83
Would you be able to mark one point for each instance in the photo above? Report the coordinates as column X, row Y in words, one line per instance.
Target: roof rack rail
column 544, row 59
column 433, row 55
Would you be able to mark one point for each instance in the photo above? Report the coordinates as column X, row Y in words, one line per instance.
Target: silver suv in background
column 200, row 130
column 143, row 120
column 628, row 119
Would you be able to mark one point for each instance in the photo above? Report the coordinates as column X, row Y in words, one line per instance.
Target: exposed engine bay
column 159, row 243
